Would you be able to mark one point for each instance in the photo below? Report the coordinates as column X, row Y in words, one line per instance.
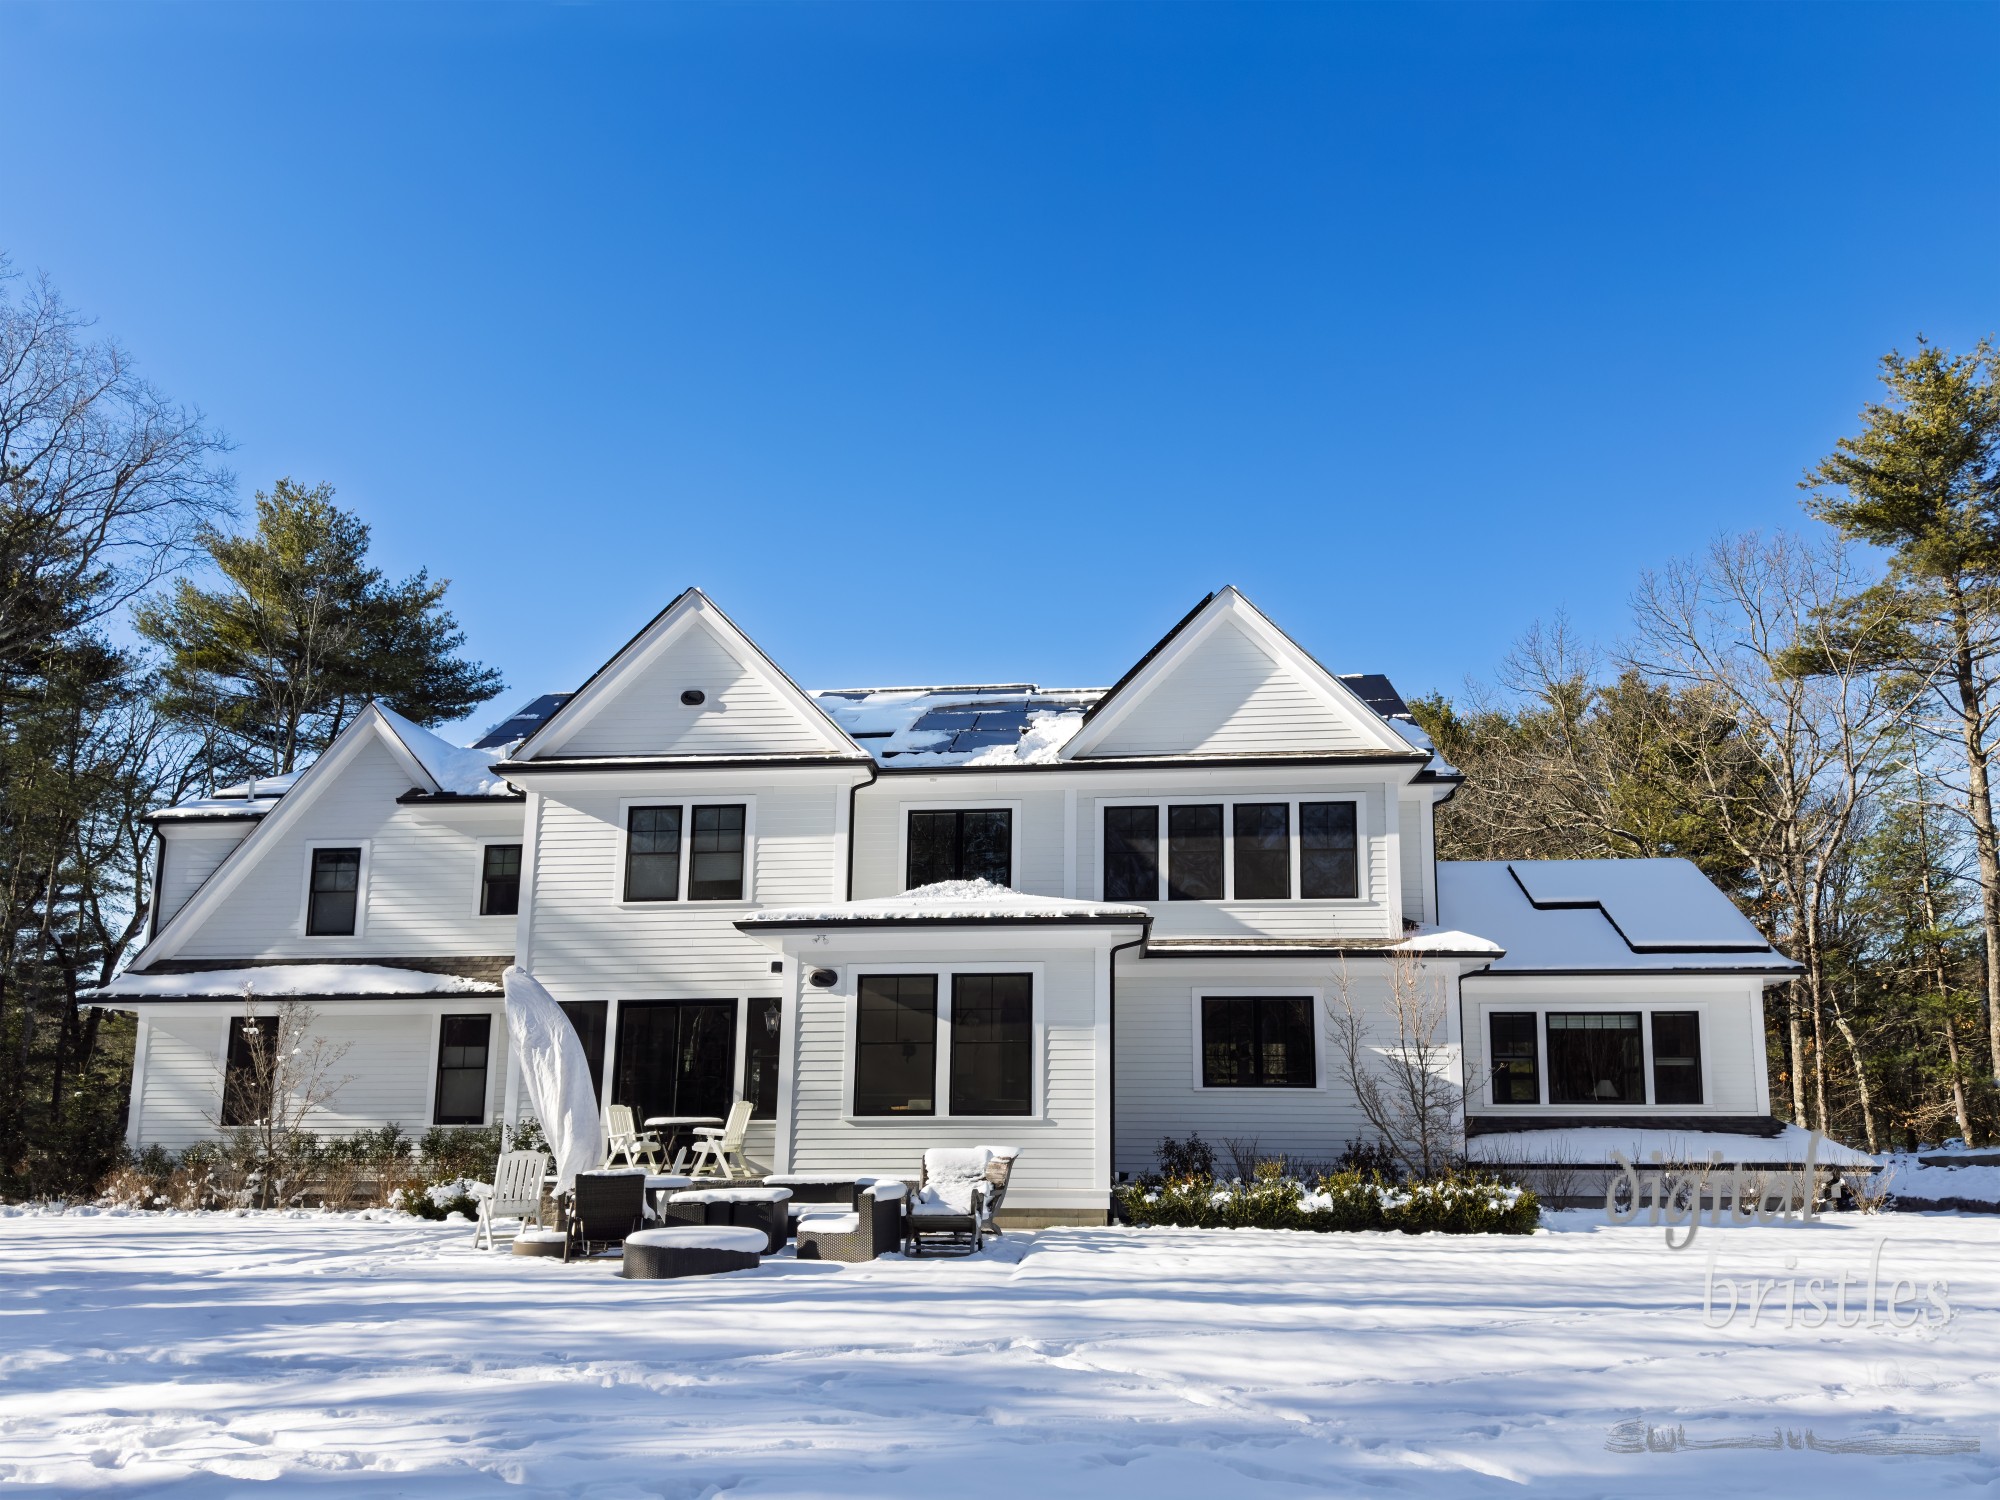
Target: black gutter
column 853, row 792
column 1163, row 763
column 174, row 815
column 1789, row 970
column 511, row 768
column 753, row 924
column 1211, row 953
column 415, row 795
column 1111, row 1041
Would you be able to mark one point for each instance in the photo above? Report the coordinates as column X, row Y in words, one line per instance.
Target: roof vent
column 694, row 697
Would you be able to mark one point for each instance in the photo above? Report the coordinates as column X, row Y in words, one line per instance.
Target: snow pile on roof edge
column 282, row 981
column 956, row 900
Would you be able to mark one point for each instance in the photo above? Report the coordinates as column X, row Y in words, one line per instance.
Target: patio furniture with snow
column 761, row 1208
column 625, row 1140
column 951, row 1200
column 659, row 1187
column 998, row 1171
column 515, row 1193
column 690, row 1250
column 722, row 1149
column 605, row 1208
column 874, row 1228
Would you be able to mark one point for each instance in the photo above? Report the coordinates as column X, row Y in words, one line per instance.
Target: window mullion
column 941, row 1095
column 1228, row 849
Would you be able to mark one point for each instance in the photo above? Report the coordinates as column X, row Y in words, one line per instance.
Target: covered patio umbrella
column 557, row 1075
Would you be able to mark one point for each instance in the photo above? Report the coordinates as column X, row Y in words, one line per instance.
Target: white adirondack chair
column 625, row 1140
column 722, row 1149
column 516, row 1193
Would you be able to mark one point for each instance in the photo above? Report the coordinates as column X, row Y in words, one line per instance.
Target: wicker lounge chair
column 516, row 1193
column 606, row 1207
column 951, row 1200
column 997, row 1172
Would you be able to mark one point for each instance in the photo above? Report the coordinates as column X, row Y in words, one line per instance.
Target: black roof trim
column 1140, row 665
column 417, row 794
column 1051, row 920
column 512, row 768
column 1168, row 763
column 1196, row 948
column 161, row 815
column 1786, row 968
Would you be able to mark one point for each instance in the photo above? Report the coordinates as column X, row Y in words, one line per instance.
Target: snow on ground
column 1593, row 1145
column 1910, row 1178
column 388, row 1357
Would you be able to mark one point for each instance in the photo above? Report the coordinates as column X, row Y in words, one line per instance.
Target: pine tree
column 302, row 634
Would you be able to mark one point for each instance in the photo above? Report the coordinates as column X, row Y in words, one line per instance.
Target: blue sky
column 959, row 343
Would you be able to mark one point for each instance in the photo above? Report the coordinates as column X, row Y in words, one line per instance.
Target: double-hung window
column 333, row 899
column 1252, row 849
column 969, row 843
column 500, row 881
column 461, row 1075
column 955, row 1044
column 1516, row 1069
column 694, row 852
column 1596, row 1057
column 1676, row 1057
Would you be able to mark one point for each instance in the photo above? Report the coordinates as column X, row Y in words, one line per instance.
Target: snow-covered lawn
column 195, row 1353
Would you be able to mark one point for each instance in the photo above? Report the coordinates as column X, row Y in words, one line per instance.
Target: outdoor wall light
column 694, row 697
column 823, row 979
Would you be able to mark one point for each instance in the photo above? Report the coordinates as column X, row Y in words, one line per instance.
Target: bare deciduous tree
column 286, row 1073
column 1403, row 1070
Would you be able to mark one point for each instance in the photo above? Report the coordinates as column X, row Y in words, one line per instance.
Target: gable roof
column 373, row 725
column 1224, row 608
column 691, row 609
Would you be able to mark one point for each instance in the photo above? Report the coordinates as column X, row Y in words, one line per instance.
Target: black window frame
column 590, row 1020
column 314, row 890
column 678, row 854
column 463, row 1043
column 702, row 1030
column 1263, row 1020
column 763, row 1036
column 1260, row 866
column 971, row 1053
column 1132, row 858
column 1559, row 1067
column 689, row 852
column 717, row 836
column 1185, row 880
column 243, row 1101
column 1308, row 870
column 1321, row 859
column 1504, row 1061
column 934, row 817
column 1680, row 1065
column 871, row 1102
column 507, row 883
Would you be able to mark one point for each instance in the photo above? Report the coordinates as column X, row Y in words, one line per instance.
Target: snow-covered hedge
column 1455, row 1204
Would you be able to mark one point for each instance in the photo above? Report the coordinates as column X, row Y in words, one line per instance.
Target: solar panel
column 977, row 726
column 1375, row 690
column 523, row 723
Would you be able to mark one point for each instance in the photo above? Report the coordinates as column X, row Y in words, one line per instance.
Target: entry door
column 675, row 1057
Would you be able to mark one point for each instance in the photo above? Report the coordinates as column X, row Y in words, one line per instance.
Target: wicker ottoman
column 876, row 1228
column 759, row 1208
column 691, row 1250
column 540, row 1242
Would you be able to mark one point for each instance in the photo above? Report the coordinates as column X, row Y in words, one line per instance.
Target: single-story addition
column 1072, row 920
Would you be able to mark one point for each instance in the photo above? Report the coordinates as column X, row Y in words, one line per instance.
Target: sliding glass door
column 675, row 1057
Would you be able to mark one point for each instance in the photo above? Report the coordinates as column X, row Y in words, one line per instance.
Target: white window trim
column 955, row 804
column 1250, row 991
column 746, row 800
column 849, row 992
column 1540, row 1010
column 360, row 893
column 1362, row 840
column 479, row 880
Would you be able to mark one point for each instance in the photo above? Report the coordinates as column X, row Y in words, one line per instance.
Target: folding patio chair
column 516, row 1193
column 626, row 1140
column 723, row 1149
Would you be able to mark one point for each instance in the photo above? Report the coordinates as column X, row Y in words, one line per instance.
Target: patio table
column 675, row 1125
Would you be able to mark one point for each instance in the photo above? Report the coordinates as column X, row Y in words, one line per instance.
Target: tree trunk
column 1979, row 805
column 1860, row 1078
column 1798, row 1057
column 1957, row 1083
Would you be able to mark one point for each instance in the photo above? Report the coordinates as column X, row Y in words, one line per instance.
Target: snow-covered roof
column 1602, row 915
column 458, row 772
column 947, row 901
column 284, row 981
column 1592, row 1145
column 993, row 724
column 246, row 799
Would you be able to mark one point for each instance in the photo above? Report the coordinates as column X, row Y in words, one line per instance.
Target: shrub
column 1191, row 1160
column 438, row 1201
column 1455, row 1203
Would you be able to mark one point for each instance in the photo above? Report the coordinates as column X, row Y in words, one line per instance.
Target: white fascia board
column 680, row 617
column 317, row 777
column 847, row 943
column 1229, row 604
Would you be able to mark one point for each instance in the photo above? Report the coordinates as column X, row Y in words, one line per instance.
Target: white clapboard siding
column 743, row 713
column 1731, row 1036
column 188, row 856
column 589, row 946
column 1057, row 1164
column 1228, row 696
column 1370, row 917
column 1158, row 1052
column 882, row 810
column 423, row 869
column 384, row 1073
column 1416, row 858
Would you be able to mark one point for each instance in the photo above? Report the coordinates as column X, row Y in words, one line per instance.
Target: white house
column 1072, row 920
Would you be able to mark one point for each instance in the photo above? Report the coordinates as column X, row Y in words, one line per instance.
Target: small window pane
column 251, row 1072
column 1194, row 853
column 933, row 848
column 1263, row 851
column 500, row 881
column 588, row 1017
column 1596, row 1058
column 1328, row 866
column 760, row 1058
column 653, row 854
column 715, row 863
column 992, row 1044
column 336, row 889
column 1131, row 854
column 1516, row 1077
column 1258, row 1041
column 961, row 844
column 461, row 1085
column 895, row 1045
column 1676, row 1057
